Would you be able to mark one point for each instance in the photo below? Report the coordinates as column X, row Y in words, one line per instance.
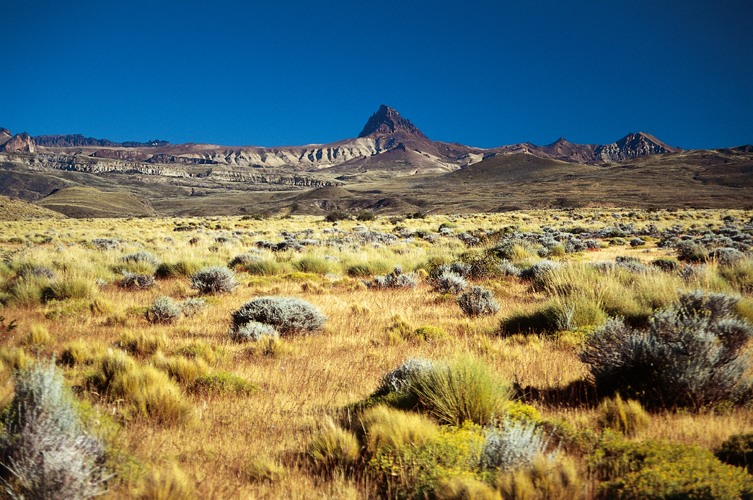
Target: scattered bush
column 478, row 302
column 254, row 331
column 398, row 379
column 513, row 446
column 450, row 283
column 737, row 450
column 657, row 469
column 213, row 280
column 138, row 281
column 164, row 310
column 637, row 242
column 726, row 256
column 45, row 449
column 288, row 315
column 395, row 279
column 337, row 215
column 690, row 251
column 691, row 354
column 141, row 257
column 667, row 265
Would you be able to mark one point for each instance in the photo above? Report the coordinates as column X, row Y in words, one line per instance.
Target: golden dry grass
column 309, row 378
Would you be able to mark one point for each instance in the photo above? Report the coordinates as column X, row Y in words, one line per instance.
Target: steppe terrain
column 187, row 399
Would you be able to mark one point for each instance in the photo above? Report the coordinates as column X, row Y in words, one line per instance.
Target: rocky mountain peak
column 633, row 145
column 5, row 135
column 19, row 143
column 387, row 121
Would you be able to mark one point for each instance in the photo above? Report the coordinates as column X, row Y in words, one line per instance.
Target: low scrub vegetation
column 579, row 354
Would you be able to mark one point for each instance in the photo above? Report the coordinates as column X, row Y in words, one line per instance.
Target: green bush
column 421, row 470
column 658, row 469
column 738, row 451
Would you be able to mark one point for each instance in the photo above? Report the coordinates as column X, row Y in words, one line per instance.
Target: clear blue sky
column 290, row 72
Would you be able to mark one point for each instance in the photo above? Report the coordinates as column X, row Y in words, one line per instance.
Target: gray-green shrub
column 213, row 280
column 691, row 354
column 289, row 315
column 45, row 448
column 478, row 302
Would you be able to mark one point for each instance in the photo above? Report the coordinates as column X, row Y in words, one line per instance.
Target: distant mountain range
column 387, row 142
column 390, row 167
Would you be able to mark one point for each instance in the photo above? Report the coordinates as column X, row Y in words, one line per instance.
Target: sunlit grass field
column 238, row 419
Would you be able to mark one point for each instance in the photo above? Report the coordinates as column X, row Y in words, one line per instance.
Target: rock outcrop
column 19, row 143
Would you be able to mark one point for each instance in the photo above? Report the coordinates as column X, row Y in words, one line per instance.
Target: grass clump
column 545, row 479
column 334, row 449
column 315, row 265
column 170, row 484
column 223, row 383
column 145, row 390
column 451, row 393
column 38, row 336
column 71, row 288
column 175, row 270
column 288, row 315
column 142, row 344
column 627, row 417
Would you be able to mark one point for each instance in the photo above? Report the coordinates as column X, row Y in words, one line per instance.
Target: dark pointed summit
column 387, row 121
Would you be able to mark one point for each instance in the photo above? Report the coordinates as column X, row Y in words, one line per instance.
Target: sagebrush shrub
column 726, row 256
column 289, row 315
column 514, row 445
column 164, row 310
column 141, row 257
column 138, row 281
column 213, row 280
column 478, row 302
column 395, row 279
column 398, row 379
column 254, row 331
column 450, row 282
column 691, row 354
column 45, row 448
